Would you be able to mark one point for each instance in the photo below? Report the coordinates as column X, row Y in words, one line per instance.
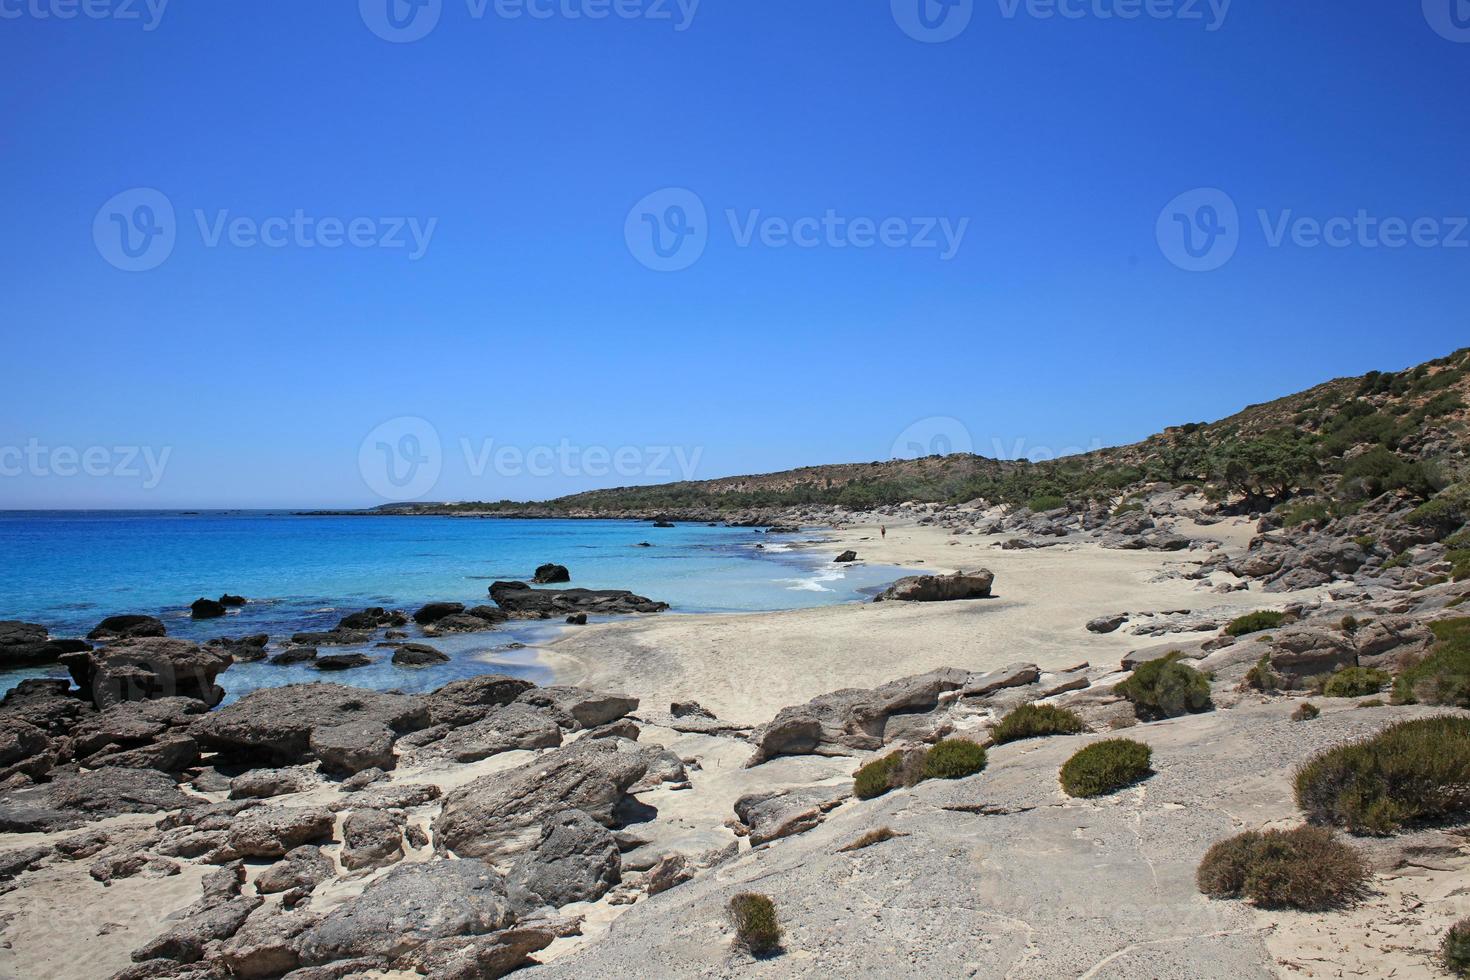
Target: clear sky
column 245, row 241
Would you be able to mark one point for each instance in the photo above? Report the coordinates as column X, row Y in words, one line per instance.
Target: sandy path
column 745, row 667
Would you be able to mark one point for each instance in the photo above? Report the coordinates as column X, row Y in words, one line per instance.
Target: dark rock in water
column 342, row 661
column 435, row 611
column 663, row 523
column 577, row 619
column 275, row 724
column 245, row 649
column 576, row 860
column 408, row 907
column 549, row 574
column 501, row 814
column 577, row 707
column 30, row 645
column 206, row 609
column 846, row 556
column 231, row 601
column 354, row 746
column 644, row 544
column 295, row 655
column 371, row 619
column 783, row 529
column 940, row 588
column 333, row 638
column 523, row 602
column 418, row 655
column 464, row 702
column 476, row 620
column 127, row 627
column 148, row 668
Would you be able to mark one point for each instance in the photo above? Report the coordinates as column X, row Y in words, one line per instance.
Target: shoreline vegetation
column 1110, row 703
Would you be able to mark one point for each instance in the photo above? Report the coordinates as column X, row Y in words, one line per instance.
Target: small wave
column 812, row 583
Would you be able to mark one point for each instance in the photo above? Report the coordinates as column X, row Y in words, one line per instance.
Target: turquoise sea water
column 69, row 570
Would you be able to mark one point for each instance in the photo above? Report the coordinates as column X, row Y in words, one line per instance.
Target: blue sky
column 534, row 340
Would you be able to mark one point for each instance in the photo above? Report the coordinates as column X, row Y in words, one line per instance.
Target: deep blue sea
column 68, row 570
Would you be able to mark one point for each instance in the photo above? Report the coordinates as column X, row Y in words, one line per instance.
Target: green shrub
column 1045, row 502
column 1305, row 711
column 1306, row 868
column 1355, row 682
column 1454, row 952
column 1036, row 721
column 1105, row 767
column 1265, row 619
column 1443, row 514
column 1165, row 688
column 1261, row 677
column 1365, row 541
column 757, row 929
column 1371, row 703
column 953, row 758
column 1293, row 515
column 1414, row 770
column 1128, row 507
column 876, row 778
column 1444, row 676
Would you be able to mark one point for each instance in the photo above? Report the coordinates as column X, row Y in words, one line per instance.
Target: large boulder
column 521, row 601
column 435, row 611
column 274, row 725
column 411, row 905
column 77, row 798
column 352, row 747
column 576, row 860
column 939, row 588
column 272, row 831
column 854, row 719
column 371, row 839
column 781, row 813
column 46, row 703
column 465, row 701
column 133, row 724
column 418, row 655
column 206, row 609
column 126, row 627
column 30, row 645
column 371, row 619
column 148, row 669
column 1382, row 641
column 1310, row 649
column 302, row 867
column 577, row 707
column 501, row 814
column 550, row 574
column 475, row 620
column 185, row 942
column 502, row 729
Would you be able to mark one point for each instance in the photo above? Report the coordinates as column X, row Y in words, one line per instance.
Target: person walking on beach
column 883, row 531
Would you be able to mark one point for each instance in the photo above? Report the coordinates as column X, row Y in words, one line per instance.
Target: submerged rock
column 523, row 602
column 550, row 574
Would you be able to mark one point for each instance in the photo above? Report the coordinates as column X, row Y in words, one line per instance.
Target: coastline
column 747, row 666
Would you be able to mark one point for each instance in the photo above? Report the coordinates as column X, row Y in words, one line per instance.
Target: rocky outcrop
column 371, row 619
column 206, row 609
column 576, row 860
column 148, row 668
column 30, row 645
column 76, row 798
column 412, row 905
column 353, row 747
column 272, row 831
column 126, row 627
column 1107, row 624
column 501, row 729
column 475, row 620
column 246, row 649
column 577, row 707
column 550, row 574
column 435, row 611
column 521, row 601
column 302, row 867
column 772, row 815
column 295, row 655
column 939, row 588
column 342, row 661
column 846, row 556
column 371, row 839
column 500, row 815
column 465, row 701
column 418, row 655
column 275, row 725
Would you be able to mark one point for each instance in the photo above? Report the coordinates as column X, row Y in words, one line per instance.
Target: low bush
column 1411, row 771
column 757, row 929
column 1306, row 511
column 953, row 758
column 1454, row 952
column 1305, row 711
column 1265, row 619
column 1105, row 767
column 1165, row 688
column 1307, row 868
column 876, row 778
column 1371, row 703
column 1355, row 682
column 1261, row 677
column 1443, row 677
column 1045, row 502
column 1036, row 721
